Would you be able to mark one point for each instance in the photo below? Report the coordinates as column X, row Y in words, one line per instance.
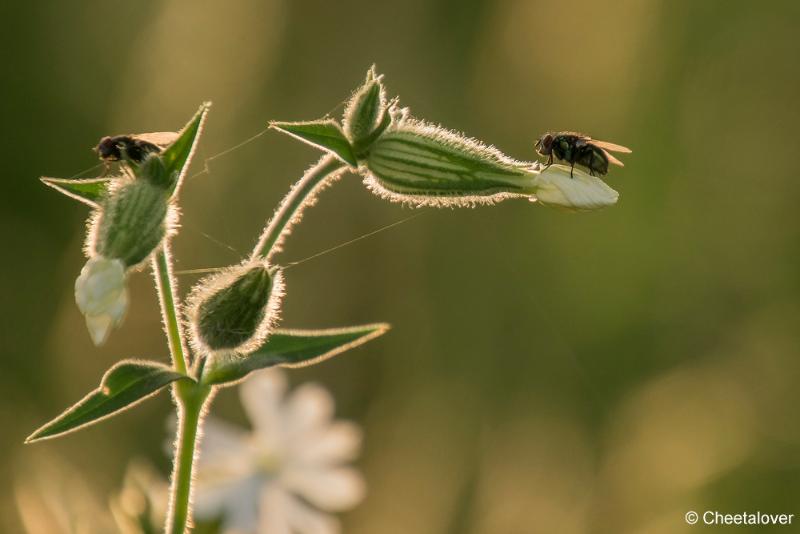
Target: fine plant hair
column 231, row 317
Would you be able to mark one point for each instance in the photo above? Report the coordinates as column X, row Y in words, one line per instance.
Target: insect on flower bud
column 366, row 113
column 235, row 309
column 101, row 296
column 131, row 222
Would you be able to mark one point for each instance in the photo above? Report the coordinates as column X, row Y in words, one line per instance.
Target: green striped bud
column 234, row 310
column 424, row 165
column 133, row 217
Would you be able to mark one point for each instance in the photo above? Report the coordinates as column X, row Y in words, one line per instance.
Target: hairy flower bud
column 235, row 309
column 365, row 114
column 131, row 222
column 422, row 164
column 101, row 296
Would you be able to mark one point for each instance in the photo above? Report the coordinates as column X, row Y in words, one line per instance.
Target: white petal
column 99, row 285
column 297, row 517
column 99, row 327
column 555, row 187
column 225, row 453
column 237, row 502
column 309, row 407
column 101, row 296
column 273, row 511
column 333, row 489
column 262, row 394
column 337, row 443
column 118, row 308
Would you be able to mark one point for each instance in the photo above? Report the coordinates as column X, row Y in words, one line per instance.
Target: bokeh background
column 547, row 371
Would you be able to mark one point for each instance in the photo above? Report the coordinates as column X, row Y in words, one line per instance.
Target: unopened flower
column 578, row 190
column 366, row 114
column 134, row 217
column 101, row 296
column 234, row 310
column 287, row 474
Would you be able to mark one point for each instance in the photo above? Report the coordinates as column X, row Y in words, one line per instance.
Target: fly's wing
column 612, row 159
column 611, row 147
column 159, row 139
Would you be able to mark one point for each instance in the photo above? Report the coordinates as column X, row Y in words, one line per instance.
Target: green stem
column 291, row 208
column 162, row 267
column 189, row 396
column 192, row 398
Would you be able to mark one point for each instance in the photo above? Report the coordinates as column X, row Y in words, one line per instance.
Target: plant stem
column 188, row 394
column 162, row 267
column 192, row 397
column 291, row 208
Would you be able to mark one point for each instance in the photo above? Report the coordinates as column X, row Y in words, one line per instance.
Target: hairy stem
column 188, row 394
column 192, row 398
column 162, row 268
column 291, row 208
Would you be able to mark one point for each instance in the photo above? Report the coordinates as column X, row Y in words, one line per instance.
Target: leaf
column 178, row 155
column 291, row 348
column 125, row 384
column 323, row 134
column 87, row 191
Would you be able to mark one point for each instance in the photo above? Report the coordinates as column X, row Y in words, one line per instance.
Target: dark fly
column 133, row 147
column 579, row 149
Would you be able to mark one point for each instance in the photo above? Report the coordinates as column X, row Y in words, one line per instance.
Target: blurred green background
column 547, row 372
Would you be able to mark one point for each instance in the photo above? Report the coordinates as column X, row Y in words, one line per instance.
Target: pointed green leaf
column 178, row 155
column 87, row 191
column 291, row 348
column 323, row 134
column 124, row 385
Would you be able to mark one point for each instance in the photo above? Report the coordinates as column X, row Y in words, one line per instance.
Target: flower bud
column 574, row 189
column 152, row 170
column 101, row 296
column 131, row 222
column 422, row 164
column 365, row 113
column 234, row 310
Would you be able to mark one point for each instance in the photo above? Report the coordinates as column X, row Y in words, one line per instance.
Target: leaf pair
column 129, row 382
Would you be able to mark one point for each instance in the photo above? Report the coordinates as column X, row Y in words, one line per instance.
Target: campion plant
column 227, row 327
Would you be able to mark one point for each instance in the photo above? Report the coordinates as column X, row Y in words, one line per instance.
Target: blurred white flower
column 53, row 497
column 555, row 186
column 140, row 507
column 289, row 472
column 101, row 296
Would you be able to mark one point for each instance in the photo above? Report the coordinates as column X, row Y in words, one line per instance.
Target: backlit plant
column 227, row 328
